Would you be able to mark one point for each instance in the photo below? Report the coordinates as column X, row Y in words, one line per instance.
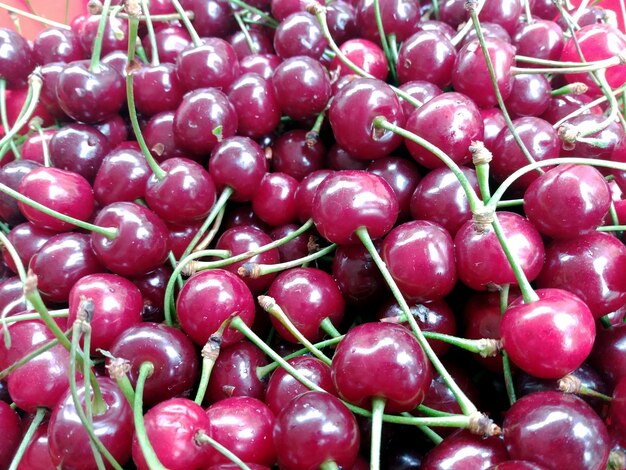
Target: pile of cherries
column 279, row 234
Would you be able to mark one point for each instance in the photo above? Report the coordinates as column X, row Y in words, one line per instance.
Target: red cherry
column 11, row 433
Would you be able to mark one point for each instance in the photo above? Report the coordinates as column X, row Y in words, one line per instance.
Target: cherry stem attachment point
column 202, row 438
column 210, row 353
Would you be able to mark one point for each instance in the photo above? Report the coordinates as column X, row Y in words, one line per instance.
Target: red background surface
column 52, row 9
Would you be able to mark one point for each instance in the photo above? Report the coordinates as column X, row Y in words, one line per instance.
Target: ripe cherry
column 12, row 175
column 17, row 60
column 299, row 34
column 11, row 428
column 212, row 63
column 426, row 55
column 256, row 103
column 364, row 54
column 465, row 450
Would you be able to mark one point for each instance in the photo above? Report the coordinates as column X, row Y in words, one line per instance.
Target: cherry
column 12, row 299
column 256, row 103
column 589, row 266
column 296, row 248
column 450, row 121
column 61, row 262
column 159, row 136
column 261, row 64
column 582, row 189
column 465, row 450
column 115, row 37
column 302, row 87
column 57, row 45
column 356, row 275
column 387, row 349
column 121, row 177
column 27, row 239
column 37, row 454
column 610, row 136
column 79, row 148
column 212, row 63
column 156, row 89
column 561, row 106
column 541, row 39
column 243, row 425
column 212, row 18
column 276, row 190
column 11, row 429
column 239, row 215
column 33, row 146
column 439, row 396
column 608, row 353
column 152, row 286
column 351, row 114
column 402, row 175
column 426, row 55
column 12, row 175
column 87, row 95
column 306, row 192
column 17, row 60
column 295, row 154
column 494, row 122
column 364, row 54
column 471, row 77
column 235, row 373
column 260, row 43
column 550, row 337
column 172, row 426
column 618, row 406
column 421, row 90
column 299, row 34
column 481, row 262
column 170, row 42
column 203, row 119
column 68, row 440
column 118, row 60
column 490, row 30
column 347, row 200
column 342, row 21
column 399, row 17
column 321, row 418
column 530, row 95
column 208, row 299
column 541, row 422
column 25, row 337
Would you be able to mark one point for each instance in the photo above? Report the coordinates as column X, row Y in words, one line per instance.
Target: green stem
column 485, row 347
column 206, row 241
column 464, row 402
column 246, row 34
column 460, row 35
column 99, row 405
column 28, row 357
column 203, row 438
column 577, row 88
column 145, row 371
column 210, row 353
column 510, row 203
column 257, row 270
column 271, row 22
column 63, row 313
column 4, row 118
column 611, row 228
column 15, row 257
column 378, row 410
column 327, row 327
column 581, row 68
column 582, row 109
column 430, row 434
column 28, row 436
column 94, row 66
column 35, row 84
column 431, row 412
column 44, row 146
column 154, row 50
column 506, row 363
column 123, row 382
column 195, row 39
column 383, row 41
column 314, row 134
column 329, row 465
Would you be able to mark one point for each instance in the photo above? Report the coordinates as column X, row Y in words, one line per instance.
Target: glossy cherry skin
column 295, row 154
column 541, row 422
column 61, row 262
column 284, row 387
column 33, row 146
column 299, row 34
column 17, row 60
column 471, row 77
column 25, row 336
column 212, row 63
column 464, row 450
column 420, row 258
column 121, row 177
column 384, row 350
column 57, row 45
column 243, row 425
column 11, row 429
column 235, row 373
column 203, row 119
column 37, row 456
column 260, row 43
column 402, row 175
column 171, row 427
column 347, row 200
column 365, row 55
column 159, row 136
column 261, row 64
column 541, row 39
column 358, row 278
column 567, row 201
column 208, row 299
column 618, row 406
column 450, row 121
column 294, row 249
column 276, row 190
column 156, row 88
column 610, row 136
column 589, row 266
column 530, row 95
column 170, row 350
column 170, row 42
column 141, row 243
column 351, row 116
column 342, row 22
column 212, row 18
column 307, row 296
column 56, row 189
column 321, row 418
column 426, row 55
column 306, row 193
column 597, row 42
column 115, row 37
column 12, row 175
column 481, row 260
column 12, row 299
column 152, row 286
column 399, row 17
column 608, row 353
column 256, row 103
column 68, row 440
column 90, row 96
column 550, row 337
column 117, row 305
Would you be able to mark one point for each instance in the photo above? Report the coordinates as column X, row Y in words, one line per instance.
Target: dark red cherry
column 530, row 95
column 25, row 336
column 450, row 121
column 156, row 88
column 494, row 122
column 567, row 201
column 428, row 56
column 208, row 299
column 212, row 63
column 27, row 239
column 57, row 45
column 306, row 192
column 173, row 354
column 33, row 146
column 203, row 119
column 590, row 266
column 490, row 30
column 68, row 440
column 90, row 95
column 259, row 43
column 481, row 262
column 12, row 175
column 61, row 262
column 17, row 60
column 347, row 200
column 11, row 428
column 180, row 236
column 618, row 406
column 471, row 77
column 276, row 190
column 256, row 103
column 504, row 13
column 561, row 106
column 141, row 243
column 384, row 350
column 421, row 90
column 152, row 286
column 610, row 136
column 342, row 21
column 295, row 248
column 399, row 17
column 402, row 175
column 235, row 373
column 239, row 215
column 12, row 299
column 261, row 64
column 115, row 37
column 115, row 129
column 541, row 422
column 56, row 189
column 364, row 54
column 295, row 154
column 171, row 427
column 307, row 296
column 118, row 60
column 281, row 9
column 37, row 455
column 541, row 39
column 464, row 450
column 121, row 177
column 420, row 258
column 299, row 34
column 212, row 18
column 243, row 425
column 356, row 275
column 159, row 136
column 170, row 42
column 550, row 337
column 321, row 418
column 608, row 353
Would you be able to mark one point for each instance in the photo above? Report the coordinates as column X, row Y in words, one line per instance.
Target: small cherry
column 255, row 101
column 10, row 424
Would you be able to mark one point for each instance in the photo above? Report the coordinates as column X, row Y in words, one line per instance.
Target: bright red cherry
column 464, row 450
column 365, row 55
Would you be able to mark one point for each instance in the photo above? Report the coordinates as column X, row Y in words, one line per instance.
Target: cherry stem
column 548, row 62
column 15, row 257
column 329, row 465
column 471, row 6
column 31, row 355
column 210, row 353
column 506, row 363
column 32, row 16
column 62, row 313
column 4, row 119
column 464, row 402
column 213, row 232
column 481, row 157
column 246, row 33
column 327, row 327
column 28, row 436
column 271, row 22
column 576, row 88
column 133, row 24
column 378, row 410
column 431, row 412
column 165, row 17
column 202, row 438
column 383, row 40
column 268, row 304
column 581, row 68
column 430, row 434
column 195, row 38
column 611, row 228
column 257, row 270
column 154, row 50
column 314, row 134
column 35, row 124
column 582, row 109
column 145, row 371
column 263, row 371
column 118, row 369
column 108, row 232
column 460, row 35
column 94, row 66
